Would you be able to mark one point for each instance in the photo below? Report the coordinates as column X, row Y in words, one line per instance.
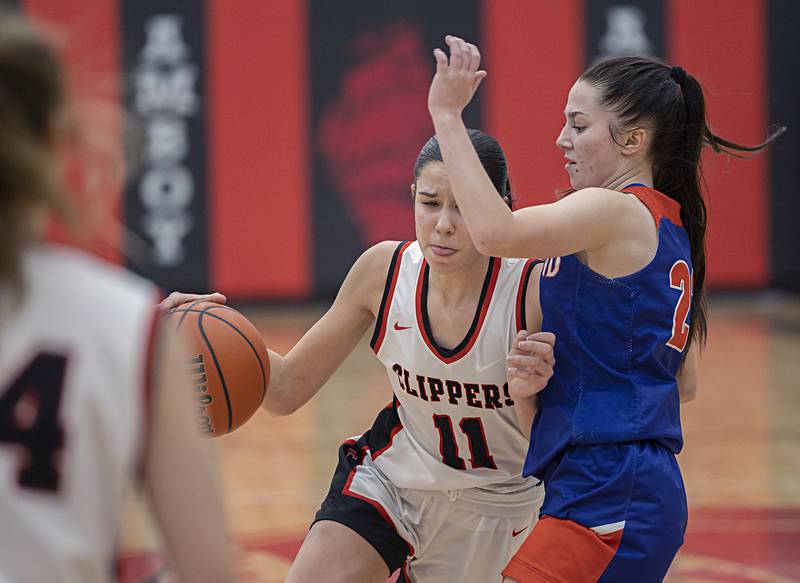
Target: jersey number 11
column 472, row 427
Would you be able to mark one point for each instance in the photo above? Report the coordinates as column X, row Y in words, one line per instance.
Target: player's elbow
column 688, row 379
column 491, row 241
column 278, row 407
column 688, row 394
column 287, row 396
column 687, row 388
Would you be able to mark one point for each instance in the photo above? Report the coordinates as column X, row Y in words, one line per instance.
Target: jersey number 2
column 29, row 419
column 478, row 448
column 680, row 278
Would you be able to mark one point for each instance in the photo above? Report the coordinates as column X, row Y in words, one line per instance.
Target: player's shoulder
column 368, row 276
column 380, row 252
column 383, row 256
column 600, row 200
column 385, row 251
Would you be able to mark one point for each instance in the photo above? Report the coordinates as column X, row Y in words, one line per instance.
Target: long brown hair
column 671, row 103
column 31, row 95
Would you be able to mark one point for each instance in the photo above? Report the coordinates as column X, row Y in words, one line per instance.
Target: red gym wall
column 300, row 145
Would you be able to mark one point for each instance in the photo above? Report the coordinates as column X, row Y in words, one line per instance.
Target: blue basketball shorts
column 612, row 513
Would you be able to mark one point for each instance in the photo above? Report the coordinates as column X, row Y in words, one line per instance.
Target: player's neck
column 638, row 175
column 457, row 287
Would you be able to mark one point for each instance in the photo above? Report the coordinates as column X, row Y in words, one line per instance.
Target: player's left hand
column 456, row 79
column 530, row 363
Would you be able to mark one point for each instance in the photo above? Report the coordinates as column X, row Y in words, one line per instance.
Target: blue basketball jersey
column 619, row 345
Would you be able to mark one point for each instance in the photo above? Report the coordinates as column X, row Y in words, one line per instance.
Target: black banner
column 371, row 66
column 784, row 109
column 616, row 28
column 166, row 202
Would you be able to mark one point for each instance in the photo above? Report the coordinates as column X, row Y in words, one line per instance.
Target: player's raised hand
column 176, row 299
column 530, row 363
column 456, row 78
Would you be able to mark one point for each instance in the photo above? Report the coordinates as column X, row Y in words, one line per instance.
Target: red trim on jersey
column 386, row 302
column 148, row 380
column 475, row 330
column 521, row 289
column 541, row 558
column 374, row 503
column 659, row 204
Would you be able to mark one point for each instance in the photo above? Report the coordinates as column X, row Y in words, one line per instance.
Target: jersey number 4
column 29, row 408
column 681, row 278
column 472, row 427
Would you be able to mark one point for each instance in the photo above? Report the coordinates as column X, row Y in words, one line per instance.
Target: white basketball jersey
column 74, row 372
column 452, row 423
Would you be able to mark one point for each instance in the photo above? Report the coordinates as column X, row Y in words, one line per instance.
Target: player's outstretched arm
column 298, row 376
column 180, row 477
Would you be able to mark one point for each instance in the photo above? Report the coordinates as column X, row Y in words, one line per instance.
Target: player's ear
column 413, row 191
column 635, row 141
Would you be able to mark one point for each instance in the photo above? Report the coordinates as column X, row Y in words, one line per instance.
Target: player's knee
column 334, row 553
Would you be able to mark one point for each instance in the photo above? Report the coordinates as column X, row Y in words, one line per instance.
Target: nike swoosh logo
column 481, row 368
column 397, row 326
column 518, row 532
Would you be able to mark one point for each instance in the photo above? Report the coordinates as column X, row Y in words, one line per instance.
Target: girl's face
column 441, row 231
column 593, row 158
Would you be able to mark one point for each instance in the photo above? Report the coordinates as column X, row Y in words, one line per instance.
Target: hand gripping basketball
column 177, row 298
column 228, row 361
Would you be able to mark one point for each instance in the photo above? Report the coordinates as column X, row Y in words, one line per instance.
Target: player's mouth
column 442, row 251
column 570, row 163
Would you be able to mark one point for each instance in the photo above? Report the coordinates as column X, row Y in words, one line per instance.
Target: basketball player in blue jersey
column 435, row 486
column 622, row 291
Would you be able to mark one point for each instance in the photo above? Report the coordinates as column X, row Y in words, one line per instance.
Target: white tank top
column 74, row 372
column 452, row 423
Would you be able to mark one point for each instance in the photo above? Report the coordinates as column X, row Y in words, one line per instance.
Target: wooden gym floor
column 741, row 461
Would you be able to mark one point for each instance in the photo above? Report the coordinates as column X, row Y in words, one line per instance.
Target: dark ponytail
column 670, row 101
column 491, row 155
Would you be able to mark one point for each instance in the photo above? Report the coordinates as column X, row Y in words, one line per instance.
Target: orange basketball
column 229, row 365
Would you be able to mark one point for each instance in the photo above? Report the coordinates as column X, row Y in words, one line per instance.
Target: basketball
column 228, row 364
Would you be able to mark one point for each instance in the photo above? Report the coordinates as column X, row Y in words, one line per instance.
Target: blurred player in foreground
column 93, row 398
column 434, row 486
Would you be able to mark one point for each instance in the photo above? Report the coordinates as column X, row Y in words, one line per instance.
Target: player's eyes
column 579, row 129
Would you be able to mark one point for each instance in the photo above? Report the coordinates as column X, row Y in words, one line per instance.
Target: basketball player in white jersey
column 434, row 487
column 93, row 398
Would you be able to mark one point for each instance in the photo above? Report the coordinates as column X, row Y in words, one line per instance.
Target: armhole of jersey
column 522, row 292
column 386, row 301
column 148, row 380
